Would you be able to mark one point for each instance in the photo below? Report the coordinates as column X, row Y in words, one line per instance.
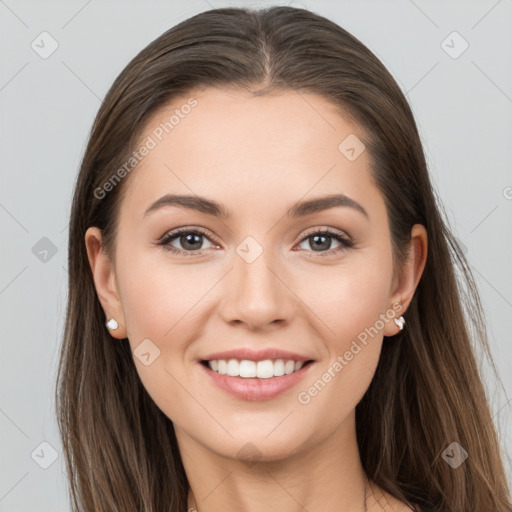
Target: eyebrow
column 210, row 207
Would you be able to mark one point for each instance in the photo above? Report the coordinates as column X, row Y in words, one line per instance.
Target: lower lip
column 254, row 388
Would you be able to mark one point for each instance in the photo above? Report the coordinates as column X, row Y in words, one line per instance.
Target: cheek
column 164, row 303
column 160, row 300
column 350, row 299
column 156, row 309
column 350, row 305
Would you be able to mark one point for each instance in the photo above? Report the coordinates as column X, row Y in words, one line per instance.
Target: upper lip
column 256, row 355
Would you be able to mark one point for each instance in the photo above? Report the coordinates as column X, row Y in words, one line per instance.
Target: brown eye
column 190, row 240
column 321, row 242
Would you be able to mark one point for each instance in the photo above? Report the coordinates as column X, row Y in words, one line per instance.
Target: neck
column 320, row 477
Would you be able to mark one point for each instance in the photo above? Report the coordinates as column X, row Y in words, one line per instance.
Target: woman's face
column 257, row 279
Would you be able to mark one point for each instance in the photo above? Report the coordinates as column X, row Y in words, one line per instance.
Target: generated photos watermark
column 305, row 397
column 151, row 142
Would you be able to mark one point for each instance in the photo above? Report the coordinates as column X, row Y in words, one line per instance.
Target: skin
column 257, row 156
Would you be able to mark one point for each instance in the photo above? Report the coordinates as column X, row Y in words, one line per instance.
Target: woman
column 263, row 310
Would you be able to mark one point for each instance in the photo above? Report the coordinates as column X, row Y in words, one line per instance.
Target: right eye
column 188, row 238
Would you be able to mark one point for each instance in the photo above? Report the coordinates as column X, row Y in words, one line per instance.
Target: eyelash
column 168, row 237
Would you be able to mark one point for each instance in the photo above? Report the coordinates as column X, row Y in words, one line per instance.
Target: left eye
column 317, row 240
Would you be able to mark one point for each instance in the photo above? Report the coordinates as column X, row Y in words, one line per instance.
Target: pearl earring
column 112, row 324
column 400, row 322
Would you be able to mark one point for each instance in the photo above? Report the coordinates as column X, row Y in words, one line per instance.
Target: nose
column 257, row 294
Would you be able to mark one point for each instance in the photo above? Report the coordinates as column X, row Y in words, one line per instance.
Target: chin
column 259, row 443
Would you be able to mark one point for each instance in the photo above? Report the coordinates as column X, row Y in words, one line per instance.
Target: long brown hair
column 121, row 450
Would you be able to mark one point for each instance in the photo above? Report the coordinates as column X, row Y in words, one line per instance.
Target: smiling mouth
column 248, row 369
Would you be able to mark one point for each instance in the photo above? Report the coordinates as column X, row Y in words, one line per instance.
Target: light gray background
column 463, row 107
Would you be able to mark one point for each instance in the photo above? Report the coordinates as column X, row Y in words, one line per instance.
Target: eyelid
column 310, row 231
column 187, row 229
column 321, row 229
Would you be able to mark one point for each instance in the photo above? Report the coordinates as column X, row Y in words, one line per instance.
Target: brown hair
column 121, row 451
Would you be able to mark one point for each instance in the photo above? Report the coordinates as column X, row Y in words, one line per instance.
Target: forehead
column 252, row 151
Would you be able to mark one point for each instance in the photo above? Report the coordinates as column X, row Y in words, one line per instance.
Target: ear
column 105, row 282
column 405, row 284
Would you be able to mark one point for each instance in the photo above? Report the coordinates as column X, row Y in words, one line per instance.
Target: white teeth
column 223, row 367
column 233, row 368
column 279, row 368
column 250, row 369
column 247, row 369
column 289, row 367
column 265, row 369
